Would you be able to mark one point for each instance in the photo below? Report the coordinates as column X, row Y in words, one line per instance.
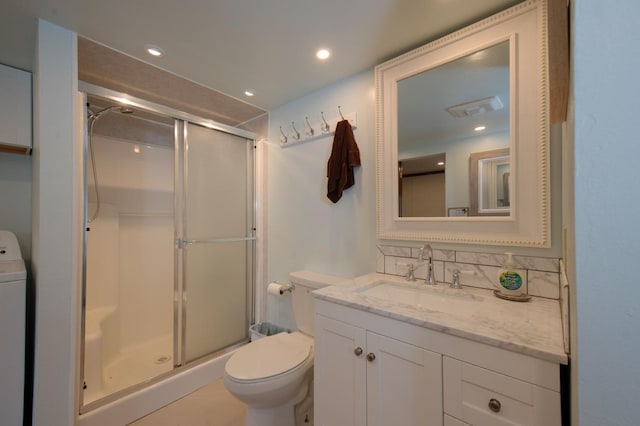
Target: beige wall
column 424, row 196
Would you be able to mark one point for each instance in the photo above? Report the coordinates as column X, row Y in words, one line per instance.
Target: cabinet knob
column 358, row 351
column 371, row 356
column 494, row 405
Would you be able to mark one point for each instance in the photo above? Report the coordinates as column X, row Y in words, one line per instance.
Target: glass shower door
column 215, row 248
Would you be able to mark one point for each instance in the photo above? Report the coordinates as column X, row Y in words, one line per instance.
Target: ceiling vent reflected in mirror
column 476, row 107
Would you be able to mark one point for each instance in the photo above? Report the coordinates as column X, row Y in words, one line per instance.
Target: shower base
column 134, row 366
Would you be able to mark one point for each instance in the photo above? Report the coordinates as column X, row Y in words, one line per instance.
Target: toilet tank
column 305, row 282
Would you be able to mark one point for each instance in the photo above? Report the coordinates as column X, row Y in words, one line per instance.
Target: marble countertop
column 533, row 328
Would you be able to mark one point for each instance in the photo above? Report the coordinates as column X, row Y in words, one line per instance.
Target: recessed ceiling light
column 323, row 54
column 154, row 50
column 440, row 163
column 480, row 128
column 249, row 92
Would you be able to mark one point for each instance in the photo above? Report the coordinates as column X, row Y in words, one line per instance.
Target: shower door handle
column 181, row 242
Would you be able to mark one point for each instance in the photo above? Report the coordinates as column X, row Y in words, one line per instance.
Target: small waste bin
column 263, row 329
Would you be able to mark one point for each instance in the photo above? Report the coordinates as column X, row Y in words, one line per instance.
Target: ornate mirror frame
column 525, row 27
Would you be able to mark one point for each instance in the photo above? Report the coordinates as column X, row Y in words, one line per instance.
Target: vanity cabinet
column 365, row 378
column 377, row 371
column 15, row 110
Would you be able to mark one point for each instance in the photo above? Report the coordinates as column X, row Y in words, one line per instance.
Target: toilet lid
column 268, row 357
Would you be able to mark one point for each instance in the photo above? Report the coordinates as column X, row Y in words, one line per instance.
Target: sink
column 439, row 298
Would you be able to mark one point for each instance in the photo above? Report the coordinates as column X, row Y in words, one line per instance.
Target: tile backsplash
column 541, row 274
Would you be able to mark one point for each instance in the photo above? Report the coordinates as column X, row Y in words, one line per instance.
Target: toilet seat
column 285, row 352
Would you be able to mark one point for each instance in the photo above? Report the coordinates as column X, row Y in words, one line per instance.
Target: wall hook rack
column 317, row 130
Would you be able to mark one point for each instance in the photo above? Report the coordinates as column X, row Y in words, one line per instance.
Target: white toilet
column 271, row 375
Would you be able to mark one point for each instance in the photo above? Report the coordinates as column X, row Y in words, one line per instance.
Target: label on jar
column 510, row 280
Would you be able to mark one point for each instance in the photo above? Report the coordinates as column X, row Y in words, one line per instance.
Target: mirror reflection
column 489, row 183
column 453, row 111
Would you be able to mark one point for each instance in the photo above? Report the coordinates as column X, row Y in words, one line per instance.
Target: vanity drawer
column 479, row 397
column 450, row 421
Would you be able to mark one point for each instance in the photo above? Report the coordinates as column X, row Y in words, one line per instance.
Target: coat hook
column 324, row 126
column 297, row 133
column 310, row 130
column 340, row 112
column 284, row 138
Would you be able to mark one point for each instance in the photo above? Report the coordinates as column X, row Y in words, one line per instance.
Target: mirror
column 453, row 109
column 428, row 101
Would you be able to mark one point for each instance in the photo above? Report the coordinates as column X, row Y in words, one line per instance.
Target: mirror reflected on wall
column 453, row 110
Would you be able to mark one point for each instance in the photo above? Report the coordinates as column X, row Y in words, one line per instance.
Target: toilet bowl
column 273, row 374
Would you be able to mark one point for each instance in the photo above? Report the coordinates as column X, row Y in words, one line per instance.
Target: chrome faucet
column 429, row 279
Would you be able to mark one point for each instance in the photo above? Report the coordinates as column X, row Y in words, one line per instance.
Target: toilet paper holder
column 277, row 289
column 287, row 288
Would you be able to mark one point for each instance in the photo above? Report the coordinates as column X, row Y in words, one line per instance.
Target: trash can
column 263, row 329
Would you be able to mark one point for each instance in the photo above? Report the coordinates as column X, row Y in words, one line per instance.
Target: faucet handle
column 455, row 281
column 410, row 275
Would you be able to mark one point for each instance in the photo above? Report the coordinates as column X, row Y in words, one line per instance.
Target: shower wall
column 130, row 243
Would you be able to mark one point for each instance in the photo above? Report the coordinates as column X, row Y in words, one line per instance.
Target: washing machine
column 12, row 329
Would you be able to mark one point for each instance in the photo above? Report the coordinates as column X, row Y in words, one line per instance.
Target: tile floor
column 211, row 405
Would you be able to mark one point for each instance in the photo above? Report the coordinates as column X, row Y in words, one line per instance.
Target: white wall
column 306, row 230
column 607, row 206
column 56, row 225
column 130, row 243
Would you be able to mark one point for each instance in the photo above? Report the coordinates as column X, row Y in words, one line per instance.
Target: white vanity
column 390, row 352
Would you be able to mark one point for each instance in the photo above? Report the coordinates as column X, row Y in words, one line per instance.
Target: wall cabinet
column 377, row 371
column 15, row 110
column 364, row 378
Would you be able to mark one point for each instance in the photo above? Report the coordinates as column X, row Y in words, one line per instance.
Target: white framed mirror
column 491, row 77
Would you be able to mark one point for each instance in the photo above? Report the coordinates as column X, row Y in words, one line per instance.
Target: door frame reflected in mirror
column 480, row 184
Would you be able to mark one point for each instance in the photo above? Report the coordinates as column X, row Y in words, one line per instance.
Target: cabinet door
column 404, row 383
column 339, row 374
column 15, row 108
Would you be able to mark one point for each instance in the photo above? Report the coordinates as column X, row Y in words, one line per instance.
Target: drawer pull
column 371, row 356
column 494, row 405
column 358, row 351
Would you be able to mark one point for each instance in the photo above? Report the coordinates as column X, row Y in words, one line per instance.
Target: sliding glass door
column 215, row 241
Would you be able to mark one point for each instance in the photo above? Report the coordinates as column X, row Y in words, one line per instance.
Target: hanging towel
column 345, row 155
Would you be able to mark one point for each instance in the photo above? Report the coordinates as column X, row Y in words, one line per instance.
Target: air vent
column 476, row 107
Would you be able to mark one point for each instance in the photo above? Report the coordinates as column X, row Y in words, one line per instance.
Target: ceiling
column 235, row 45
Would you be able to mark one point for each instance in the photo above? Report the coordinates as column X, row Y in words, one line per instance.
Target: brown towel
column 345, row 155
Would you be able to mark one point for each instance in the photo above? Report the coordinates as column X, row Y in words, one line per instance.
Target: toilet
column 273, row 374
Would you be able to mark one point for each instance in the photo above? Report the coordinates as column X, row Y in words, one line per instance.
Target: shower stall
column 168, row 246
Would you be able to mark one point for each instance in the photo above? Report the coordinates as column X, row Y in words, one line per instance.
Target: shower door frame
column 182, row 119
